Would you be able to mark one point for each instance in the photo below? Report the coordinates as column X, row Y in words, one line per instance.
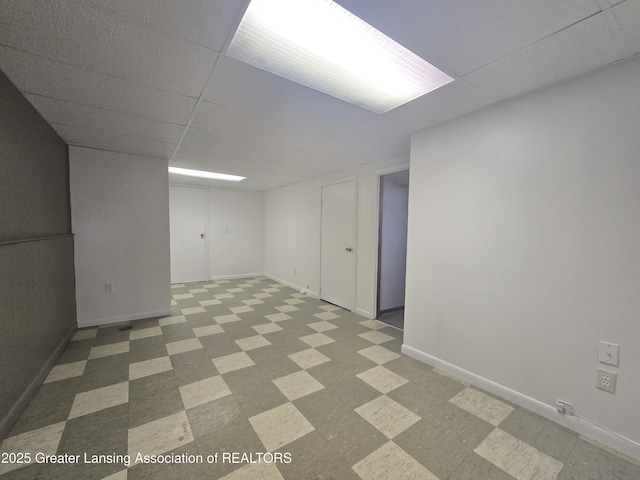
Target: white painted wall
column 292, row 231
column 236, row 232
column 393, row 248
column 120, row 216
column 524, row 248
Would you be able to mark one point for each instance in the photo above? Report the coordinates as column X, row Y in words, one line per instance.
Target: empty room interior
column 424, row 273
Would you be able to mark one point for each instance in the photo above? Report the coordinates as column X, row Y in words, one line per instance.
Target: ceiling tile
column 255, row 127
column 78, row 33
column 628, row 16
column 571, row 52
column 33, row 74
column 225, row 147
column 112, row 142
column 454, row 99
column 308, row 171
column 307, row 159
column 93, row 118
column 464, row 35
column 205, row 22
column 249, row 89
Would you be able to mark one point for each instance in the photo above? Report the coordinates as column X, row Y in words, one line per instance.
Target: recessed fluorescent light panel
column 321, row 45
column 202, row 174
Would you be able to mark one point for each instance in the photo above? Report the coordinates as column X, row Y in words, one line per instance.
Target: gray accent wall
column 37, row 296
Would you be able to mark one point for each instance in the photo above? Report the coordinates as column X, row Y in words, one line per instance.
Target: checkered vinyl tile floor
column 249, row 366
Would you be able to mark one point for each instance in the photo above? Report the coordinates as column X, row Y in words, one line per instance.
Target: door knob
column 202, row 235
column 348, row 249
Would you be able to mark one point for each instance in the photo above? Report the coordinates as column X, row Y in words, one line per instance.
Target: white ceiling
column 150, row 77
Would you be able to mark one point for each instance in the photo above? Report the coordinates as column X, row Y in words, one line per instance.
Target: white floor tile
column 518, row 459
column 222, row 319
column 193, row 310
column 107, row 350
column 99, row 399
column 481, row 405
column 387, row 415
column 323, row 326
column 376, row 337
column 251, row 343
column 378, row 354
column 163, row 322
column 317, row 340
column 67, row 370
column 326, row 316
column 45, row 440
column 232, row 362
column 280, row 426
column 204, row 391
column 267, row 328
column 309, row 358
column 161, row 435
column 182, row 346
column 390, row 461
column 145, row 333
column 207, row 330
column 382, row 379
column 149, row 367
column 255, row 471
column 277, row 317
column 297, row 385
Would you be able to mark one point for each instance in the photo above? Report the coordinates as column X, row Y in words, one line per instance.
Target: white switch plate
column 609, row 353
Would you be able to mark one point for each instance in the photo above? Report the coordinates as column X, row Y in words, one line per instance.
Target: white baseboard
column 365, row 313
column 548, row 411
column 238, row 275
column 306, row 291
column 123, row 318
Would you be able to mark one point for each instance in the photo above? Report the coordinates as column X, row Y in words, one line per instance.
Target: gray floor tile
column 152, row 407
column 435, row 450
column 459, row 424
column 104, row 371
column 76, row 351
column 212, row 416
column 147, row 348
column 545, row 435
column 157, row 384
column 102, row 432
column 175, row 471
column 352, row 437
column 598, row 464
column 321, row 407
column 474, row 467
column 235, row 437
column 313, row 457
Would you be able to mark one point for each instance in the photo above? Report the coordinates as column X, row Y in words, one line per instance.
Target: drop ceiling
column 150, row 77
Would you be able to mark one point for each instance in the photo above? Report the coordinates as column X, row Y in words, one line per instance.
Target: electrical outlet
column 606, row 380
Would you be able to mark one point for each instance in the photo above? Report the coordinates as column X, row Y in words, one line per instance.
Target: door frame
column 206, row 222
column 354, row 262
column 377, row 229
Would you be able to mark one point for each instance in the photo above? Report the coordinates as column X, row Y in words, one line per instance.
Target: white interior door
column 337, row 268
column 187, row 214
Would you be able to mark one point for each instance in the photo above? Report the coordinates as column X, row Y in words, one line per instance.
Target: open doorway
column 392, row 247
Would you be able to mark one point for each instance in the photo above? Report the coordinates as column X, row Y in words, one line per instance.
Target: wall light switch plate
column 609, row 353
